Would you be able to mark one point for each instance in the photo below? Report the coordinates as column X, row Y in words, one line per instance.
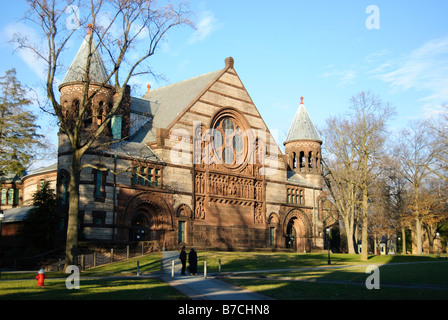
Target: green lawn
column 90, row 289
column 313, row 280
column 24, row 287
column 401, row 277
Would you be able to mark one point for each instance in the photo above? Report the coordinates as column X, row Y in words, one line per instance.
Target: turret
column 72, row 87
column 303, row 147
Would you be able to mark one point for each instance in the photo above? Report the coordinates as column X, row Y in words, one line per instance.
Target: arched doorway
column 297, row 231
column 291, row 235
column 140, row 228
column 147, row 218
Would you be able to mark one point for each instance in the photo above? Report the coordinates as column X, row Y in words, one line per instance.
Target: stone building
column 17, row 199
column 193, row 163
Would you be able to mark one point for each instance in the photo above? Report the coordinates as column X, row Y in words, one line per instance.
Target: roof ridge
column 178, row 83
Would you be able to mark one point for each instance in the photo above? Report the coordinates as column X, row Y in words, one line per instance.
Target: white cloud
column 424, row 69
column 29, row 57
column 207, row 24
column 343, row 78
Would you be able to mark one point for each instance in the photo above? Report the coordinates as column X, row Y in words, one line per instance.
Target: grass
column 22, row 286
column 401, row 276
column 306, row 277
column 90, row 289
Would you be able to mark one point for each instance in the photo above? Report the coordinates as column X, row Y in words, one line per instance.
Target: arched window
column 64, row 190
column 99, row 113
column 310, row 161
column 302, row 160
column 88, row 116
column 317, row 162
column 229, row 142
column 100, row 179
column 294, row 160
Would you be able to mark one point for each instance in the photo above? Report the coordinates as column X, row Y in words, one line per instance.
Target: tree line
column 382, row 181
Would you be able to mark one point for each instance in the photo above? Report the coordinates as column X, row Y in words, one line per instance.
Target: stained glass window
column 228, row 141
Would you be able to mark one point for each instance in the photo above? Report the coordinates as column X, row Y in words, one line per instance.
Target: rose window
column 229, row 142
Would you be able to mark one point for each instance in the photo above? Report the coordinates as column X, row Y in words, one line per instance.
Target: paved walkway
column 200, row 288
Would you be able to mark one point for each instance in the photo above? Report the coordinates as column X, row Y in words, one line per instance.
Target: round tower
column 71, row 88
column 303, row 147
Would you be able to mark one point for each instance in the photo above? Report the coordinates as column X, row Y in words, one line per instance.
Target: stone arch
column 150, row 215
column 273, row 230
column 184, row 214
column 273, row 219
column 297, row 231
column 185, row 211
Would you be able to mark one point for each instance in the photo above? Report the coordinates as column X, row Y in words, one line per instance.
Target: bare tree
column 354, row 150
column 340, row 176
column 416, row 156
column 129, row 32
column 397, row 197
column 370, row 116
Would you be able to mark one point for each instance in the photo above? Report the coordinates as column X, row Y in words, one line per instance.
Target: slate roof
column 76, row 71
column 134, row 150
column 295, row 178
column 302, row 128
column 16, row 214
column 168, row 102
column 53, row 167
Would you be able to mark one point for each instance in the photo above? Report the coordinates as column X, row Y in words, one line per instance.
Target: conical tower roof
column 76, row 71
column 302, row 128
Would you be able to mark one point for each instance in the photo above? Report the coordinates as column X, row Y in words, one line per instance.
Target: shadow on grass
column 92, row 289
column 399, row 277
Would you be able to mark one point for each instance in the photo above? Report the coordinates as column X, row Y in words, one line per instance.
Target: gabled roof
column 76, row 71
column 302, row 128
column 169, row 101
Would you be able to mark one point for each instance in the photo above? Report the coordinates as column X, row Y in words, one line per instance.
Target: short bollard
column 205, row 269
column 219, row 266
column 138, row 268
column 172, row 269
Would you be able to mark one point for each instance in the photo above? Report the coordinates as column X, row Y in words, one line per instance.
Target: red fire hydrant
column 40, row 278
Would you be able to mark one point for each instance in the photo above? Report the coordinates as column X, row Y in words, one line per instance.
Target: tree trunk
column 403, row 236
column 418, row 235
column 71, row 246
column 365, row 225
column 348, row 224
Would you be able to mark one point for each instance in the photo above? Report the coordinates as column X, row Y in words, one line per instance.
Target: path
column 200, row 288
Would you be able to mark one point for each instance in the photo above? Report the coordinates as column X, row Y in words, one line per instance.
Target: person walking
column 183, row 259
column 193, row 262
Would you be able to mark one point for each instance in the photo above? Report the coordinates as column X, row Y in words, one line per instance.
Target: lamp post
column 438, row 246
column 2, row 218
column 328, row 244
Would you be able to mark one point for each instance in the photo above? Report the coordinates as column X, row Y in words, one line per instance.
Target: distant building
column 17, row 199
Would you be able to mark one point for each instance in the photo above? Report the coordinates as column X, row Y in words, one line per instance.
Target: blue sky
column 321, row 50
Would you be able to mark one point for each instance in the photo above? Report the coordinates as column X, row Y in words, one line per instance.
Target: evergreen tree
column 18, row 131
column 43, row 221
